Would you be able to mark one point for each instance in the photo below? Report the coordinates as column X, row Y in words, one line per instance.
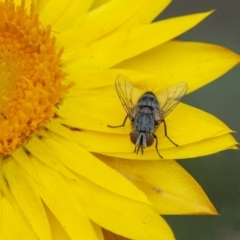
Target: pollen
column 31, row 77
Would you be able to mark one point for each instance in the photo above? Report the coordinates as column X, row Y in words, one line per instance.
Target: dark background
column 218, row 174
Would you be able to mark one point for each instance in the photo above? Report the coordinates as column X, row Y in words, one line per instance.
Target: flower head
column 31, row 74
column 63, row 173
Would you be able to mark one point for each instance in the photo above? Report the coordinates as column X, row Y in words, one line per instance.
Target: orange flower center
column 30, row 75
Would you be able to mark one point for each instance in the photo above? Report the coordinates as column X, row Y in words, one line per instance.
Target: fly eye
column 133, row 137
column 149, row 139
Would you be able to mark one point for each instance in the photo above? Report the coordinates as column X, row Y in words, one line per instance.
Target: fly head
column 141, row 140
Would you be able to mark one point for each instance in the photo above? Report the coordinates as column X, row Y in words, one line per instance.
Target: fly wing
column 169, row 99
column 128, row 94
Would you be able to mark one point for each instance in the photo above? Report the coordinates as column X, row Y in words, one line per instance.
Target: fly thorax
column 148, row 99
column 144, row 122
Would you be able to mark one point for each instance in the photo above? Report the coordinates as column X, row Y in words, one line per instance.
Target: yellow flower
column 63, row 173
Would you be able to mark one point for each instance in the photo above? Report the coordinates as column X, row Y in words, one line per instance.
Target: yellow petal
column 85, row 164
column 98, row 3
column 103, row 109
column 119, row 145
column 126, row 217
column 60, row 200
column 27, row 198
column 96, row 78
column 202, row 148
column 150, row 10
column 23, row 160
column 118, row 47
column 191, row 62
column 63, row 16
column 112, row 236
column 168, row 186
column 13, row 224
column 39, row 150
column 98, row 231
column 97, row 25
column 58, row 233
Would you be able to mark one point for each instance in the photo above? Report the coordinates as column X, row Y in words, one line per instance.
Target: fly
column 147, row 110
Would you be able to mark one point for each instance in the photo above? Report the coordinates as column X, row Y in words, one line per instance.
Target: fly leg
column 124, row 121
column 165, row 132
column 156, row 146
